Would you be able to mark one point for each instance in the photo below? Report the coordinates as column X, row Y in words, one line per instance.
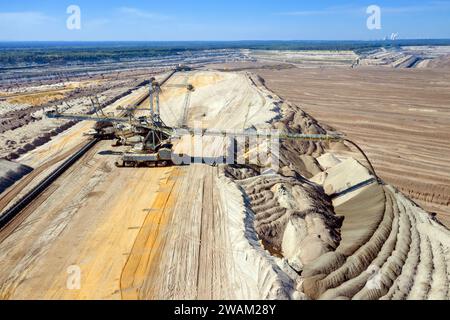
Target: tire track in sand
column 146, row 247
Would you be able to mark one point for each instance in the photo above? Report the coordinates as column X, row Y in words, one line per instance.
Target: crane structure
column 155, row 145
column 155, row 89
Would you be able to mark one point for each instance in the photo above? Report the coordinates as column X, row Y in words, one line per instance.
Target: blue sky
column 221, row 20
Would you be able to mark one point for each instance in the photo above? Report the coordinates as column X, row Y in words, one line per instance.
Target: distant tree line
column 26, row 53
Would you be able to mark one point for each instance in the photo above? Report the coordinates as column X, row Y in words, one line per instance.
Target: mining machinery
column 152, row 145
column 155, row 146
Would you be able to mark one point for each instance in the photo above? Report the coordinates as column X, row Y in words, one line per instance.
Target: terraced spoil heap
column 345, row 243
column 335, row 231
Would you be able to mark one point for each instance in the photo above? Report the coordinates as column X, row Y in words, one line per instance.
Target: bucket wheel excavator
column 154, row 146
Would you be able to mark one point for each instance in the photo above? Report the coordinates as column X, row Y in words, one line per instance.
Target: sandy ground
column 196, row 232
column 190, row 256
column 99, row 243
column 48, row 156
column 307, row 58
column 408, row 57
column 399, row 117
column 22, row 125
column 123, row 228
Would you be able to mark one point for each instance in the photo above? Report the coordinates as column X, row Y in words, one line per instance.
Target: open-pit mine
column 94, row 204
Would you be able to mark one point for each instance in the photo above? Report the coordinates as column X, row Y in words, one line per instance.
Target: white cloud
column 24, row 18
column 430, row 6
column 138, row 13
column 304, row 13
column 325, row 11
column 100, row 22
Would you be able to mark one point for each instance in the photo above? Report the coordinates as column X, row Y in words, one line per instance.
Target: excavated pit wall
column 288, row 221
column 400, row 252
column 10, row 172
column 264, row 279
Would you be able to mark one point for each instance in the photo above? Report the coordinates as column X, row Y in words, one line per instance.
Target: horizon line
column 242, row 40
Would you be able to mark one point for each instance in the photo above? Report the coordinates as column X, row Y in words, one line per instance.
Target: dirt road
column 187, row 234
